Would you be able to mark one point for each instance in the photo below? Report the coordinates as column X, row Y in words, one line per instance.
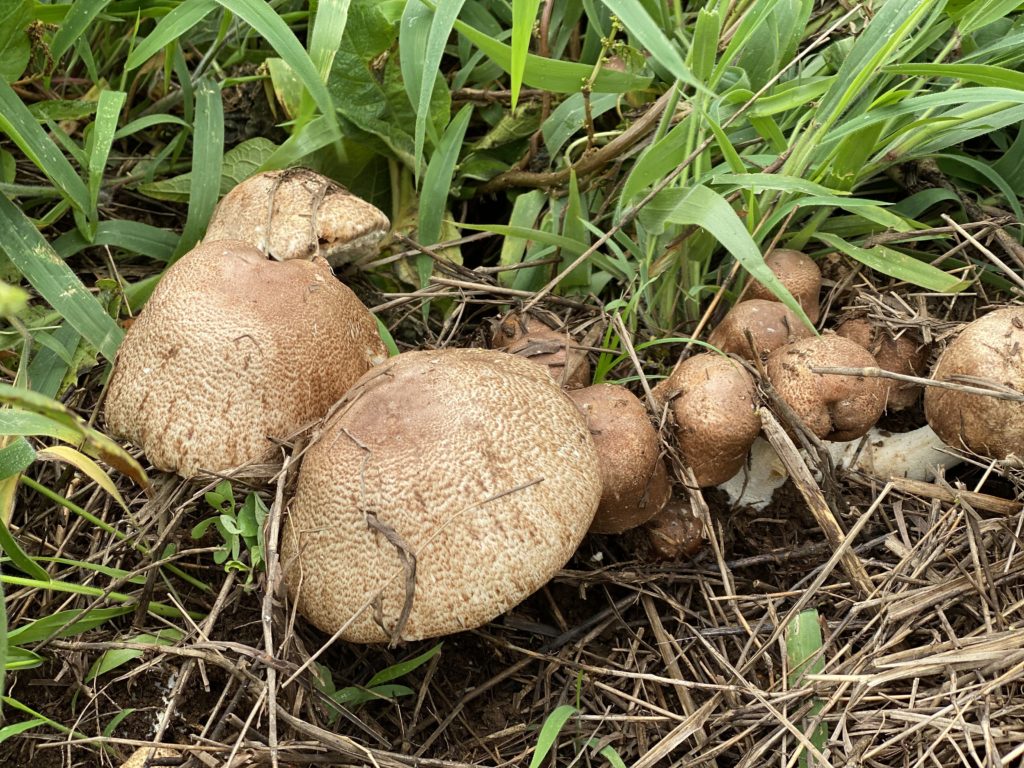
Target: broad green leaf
column 85, row 465
column 14, row 45
column 524, row 14
column 551, row 74
column 553, row 725
column 15, row 457
column 895, row 264
column 774, row 42
column 328, row 31
column 238, row 164
column 16, row 422
column 54, row 280
column 704, row 50
column 80, row 15
column 207, row 159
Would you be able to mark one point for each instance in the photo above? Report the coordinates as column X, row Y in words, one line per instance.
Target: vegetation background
column 629, row 160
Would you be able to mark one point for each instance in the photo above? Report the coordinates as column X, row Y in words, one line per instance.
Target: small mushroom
column 674, row 532
column 798, row 273
column 832, row 407
column 531, row 338
column 447, row 487
column 713, row 405
column 988, row 350
column 900, row 354
column 770, row 324
column 634, row 480
column 298, row 214
column 233, row 349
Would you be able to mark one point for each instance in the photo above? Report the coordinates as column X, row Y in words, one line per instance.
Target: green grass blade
column 16, row 457
column 4, row 656
column 54, row 280
column 524, row 14
column 207, row 158
column 328, row 29
column 553, row 725
column 983, row 12
column 895, row 264
column 982, row 74
column 19, row 558
column 18, row 123
column 417, row 20
column 551, row 74
column 440, row 31
column 79, row 16
column 642, row 27
column 108, row 110
column 320, row 132
column 528, row 233
column 132, row 236
column 396, row 671
column 803, row 656
column 437, row 180
column 169, row 29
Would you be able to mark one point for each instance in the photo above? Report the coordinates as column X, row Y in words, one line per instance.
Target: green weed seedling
column 238, row 526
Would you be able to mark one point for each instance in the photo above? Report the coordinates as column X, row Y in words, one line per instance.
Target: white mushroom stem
column 915, row 455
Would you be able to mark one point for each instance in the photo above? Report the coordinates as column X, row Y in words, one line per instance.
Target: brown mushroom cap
column 531, row 338
column 298, row 214
column 832, row 407
column 232, row 348
column 990, row 348
column 899, row 355
column 470, row 459
column 713, row 404
column 138, row 758
column 675, row 531
column 799, row 273
column 771, row 325
column 634, row 480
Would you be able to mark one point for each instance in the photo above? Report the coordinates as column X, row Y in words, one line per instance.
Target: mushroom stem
column 914, row 455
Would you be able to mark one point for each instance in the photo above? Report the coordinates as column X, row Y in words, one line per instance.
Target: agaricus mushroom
column 770, row 324
column 297, row 214
column 233, row 349
column 900, row 354
column 531, row 338
column 990, row 349
column 833, row 407
column 799, row 273
column 674, row 532
column 446, row 487
column 634, row 480
column 713, row 406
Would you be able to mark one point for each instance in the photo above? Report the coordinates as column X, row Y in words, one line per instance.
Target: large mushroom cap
column 529, row 337
column 634, row 480
column 713, row 404
column 799, row 273
column 897, row 354
column 833, row 407
column 298, row 214
column 472, row 461
column 991, row 349
column 771, row 324
column 232, row 348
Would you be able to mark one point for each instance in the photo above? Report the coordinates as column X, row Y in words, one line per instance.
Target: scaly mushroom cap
column 471, row 460
column 990, row 348
column 900, row 355
column 771, row 325
column 833, row 407
column 634, row 480
column 232, row 348
column 799, row 273
column 298, row 214
column 713, row 404
column 530, row 338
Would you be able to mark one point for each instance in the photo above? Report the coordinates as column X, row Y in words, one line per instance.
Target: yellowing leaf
column 83, row 464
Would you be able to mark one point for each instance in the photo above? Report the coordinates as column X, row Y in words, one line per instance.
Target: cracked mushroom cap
column 991, row 349
column 634, row 480
column 899, row 355
column 713, row 404
column 833, row 407
column 470, row 459
column 232, row 348
column 531, row 338
column 771, row 325
column 799, row 273
column 298, row 214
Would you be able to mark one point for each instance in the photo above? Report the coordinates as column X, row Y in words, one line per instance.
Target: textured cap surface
column 990, row 348
column 799, row 273
column 832, row 407
column 771, row 325
column 298, row 214
column 899, row 355
column 231, row 348
column 634, row 480
column 713, row 403
column 470, row 459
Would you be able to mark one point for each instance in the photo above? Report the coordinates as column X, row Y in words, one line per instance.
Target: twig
column 998, row 391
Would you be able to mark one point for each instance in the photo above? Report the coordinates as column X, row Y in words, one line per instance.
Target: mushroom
column 832, row 407
column 233, row 349
column 445, row 488
column 900, row 354
column 634, row 480
column 138, row 758
column 770, row 324
column 531, row 338
column 798, row 273
column 988, row 350
column 297, row 214
column 712, row 402
column 675, row 531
